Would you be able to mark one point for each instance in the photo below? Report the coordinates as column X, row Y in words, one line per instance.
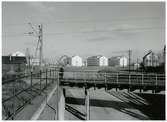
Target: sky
column 84, row 28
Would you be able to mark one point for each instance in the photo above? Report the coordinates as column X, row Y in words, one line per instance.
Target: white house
column 120, row 61
column 136, row 65
column 151, row 59
column 123, row 61
column 76, row 61
column 19, row 54
column 103, row 61
column 97, row 61
column 34, row 62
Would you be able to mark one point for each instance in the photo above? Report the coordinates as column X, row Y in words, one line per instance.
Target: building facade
column 97, row 61
column 76, row 61
column 120, row 61
column 18, row 54
column 151, row 60
column 16, row 63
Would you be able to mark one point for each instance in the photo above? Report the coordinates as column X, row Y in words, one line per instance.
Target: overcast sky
column 84, row 29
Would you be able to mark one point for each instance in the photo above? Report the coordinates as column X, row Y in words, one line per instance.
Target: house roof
column 117, row 57
column 97, row 56
column 76, row 56
column 150, row 52
column 18, row 53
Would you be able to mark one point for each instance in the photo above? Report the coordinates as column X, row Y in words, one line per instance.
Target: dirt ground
column 114, row 106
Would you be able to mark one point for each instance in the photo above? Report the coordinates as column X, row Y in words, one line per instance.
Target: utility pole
column 40, row 39
column 137, row 64
column 39, row 47
column 164, row 51
column 28, row 59
column 129, row 52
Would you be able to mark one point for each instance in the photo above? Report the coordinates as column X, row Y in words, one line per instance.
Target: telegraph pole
column 39, row 34
column 129, row 52
column 40, row 39
column 137, row 64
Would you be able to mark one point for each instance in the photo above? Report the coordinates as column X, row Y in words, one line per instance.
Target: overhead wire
column 89, row 31
column 88, row 21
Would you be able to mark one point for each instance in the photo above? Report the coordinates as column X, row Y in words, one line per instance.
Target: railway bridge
column 20, row 90
column 129, row 81
column 119, row 81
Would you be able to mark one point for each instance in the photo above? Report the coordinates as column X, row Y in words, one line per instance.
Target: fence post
column 94, row 82
column 142, row 81
column 117, row 81
column 51, row 79
column 156, row 82
column 46, row 78
column 129, row 80
column 87, row 104
column 31, row 80
column 40, row 80
column 13, row 100
column 57, row 73
column 105, row 80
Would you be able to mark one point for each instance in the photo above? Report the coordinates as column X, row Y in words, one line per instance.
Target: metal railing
column 116, row 78
column 18, row 91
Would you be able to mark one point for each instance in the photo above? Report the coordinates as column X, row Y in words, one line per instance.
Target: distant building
column 67, row 61
column 14, row 60
column 17, row 63
column 18, row 54
column 76, row 61
column 136, row 65
column 34, row 61
column 85, row 63
column 97, row 61
column 120, row 61
column 151, row 59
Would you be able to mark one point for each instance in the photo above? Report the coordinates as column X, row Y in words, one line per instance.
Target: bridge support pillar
column 61, row 104
column 153, row 91
column 87, row 104
column 140, row 90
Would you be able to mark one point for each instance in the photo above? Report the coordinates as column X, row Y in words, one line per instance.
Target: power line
column 92, row 31
column 90, row 21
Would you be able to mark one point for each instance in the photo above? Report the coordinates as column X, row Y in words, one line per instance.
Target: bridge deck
column 114, row 80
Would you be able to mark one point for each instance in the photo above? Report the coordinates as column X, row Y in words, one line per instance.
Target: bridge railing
column 117, row 78
column 20, row 89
